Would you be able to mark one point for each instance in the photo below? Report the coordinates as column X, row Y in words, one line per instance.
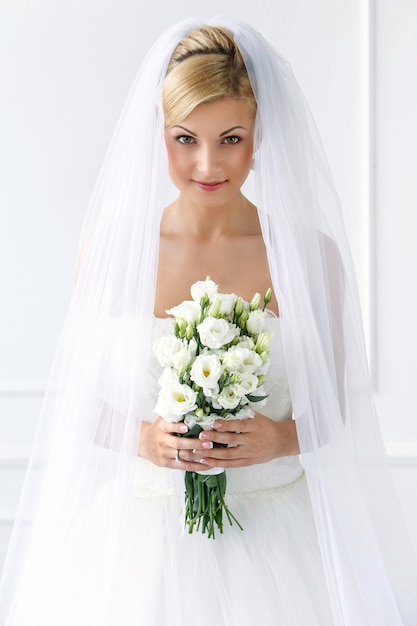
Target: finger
column 225, row 438
column 180, row 428
column 190, row 465
column 193, row 455
column 235, row 426
column 237, row 460
column 223, row 454
column 181, row 443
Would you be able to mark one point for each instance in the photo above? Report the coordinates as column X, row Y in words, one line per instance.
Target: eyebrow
column 225, row 132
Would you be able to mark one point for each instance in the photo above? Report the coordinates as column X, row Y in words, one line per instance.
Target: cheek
column 244, row 161
column 175, row 163
column 249, row 151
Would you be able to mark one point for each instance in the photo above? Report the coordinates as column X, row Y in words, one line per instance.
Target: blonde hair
column 204, row 67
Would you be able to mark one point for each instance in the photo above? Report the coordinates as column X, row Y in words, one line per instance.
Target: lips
column 209, row 186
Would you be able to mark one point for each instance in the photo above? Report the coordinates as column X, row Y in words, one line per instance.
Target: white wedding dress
column 268, row 574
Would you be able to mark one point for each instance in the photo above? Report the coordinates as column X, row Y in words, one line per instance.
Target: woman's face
column 210, row 152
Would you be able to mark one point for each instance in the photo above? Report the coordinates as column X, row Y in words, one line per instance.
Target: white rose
column 171, row 351
column 233, row 359
column 247, row 384
column 167, row 378
column 255, row 321
column 246, row 342
column 206, row 371
column 228, row 301
column 182, row 359
column 215, row 333
column 187, row 310
column 228, row 399
column 202, row 287
column 175, row 400
column 241, row 360
column 162, row 409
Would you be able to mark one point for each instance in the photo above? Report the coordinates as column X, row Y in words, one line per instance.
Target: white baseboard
column 6, row 519
column 402, row 452
column 12, row 457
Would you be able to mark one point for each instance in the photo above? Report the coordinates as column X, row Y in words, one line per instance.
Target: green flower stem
column 204, row 498
column 205, row 503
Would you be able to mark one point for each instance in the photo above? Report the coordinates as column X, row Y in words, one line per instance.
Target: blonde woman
column 100, row 536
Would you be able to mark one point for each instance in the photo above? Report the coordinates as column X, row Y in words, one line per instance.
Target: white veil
column 87, row 441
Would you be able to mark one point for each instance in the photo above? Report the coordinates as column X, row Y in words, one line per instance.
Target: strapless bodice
column 152, row 480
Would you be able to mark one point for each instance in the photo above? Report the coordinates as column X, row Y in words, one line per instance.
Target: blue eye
column 185, row 139
column 231, row 140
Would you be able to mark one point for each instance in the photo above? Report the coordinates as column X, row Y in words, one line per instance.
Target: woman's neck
column 213, row 222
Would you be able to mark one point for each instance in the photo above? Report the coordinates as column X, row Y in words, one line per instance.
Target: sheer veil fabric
column 87, row 439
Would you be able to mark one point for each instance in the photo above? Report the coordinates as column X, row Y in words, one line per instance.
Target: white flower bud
column 255, row 302
column 239, row 306
column 263, row 343
column 255, row 322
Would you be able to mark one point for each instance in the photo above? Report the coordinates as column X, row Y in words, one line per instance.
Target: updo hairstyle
column 205, row 66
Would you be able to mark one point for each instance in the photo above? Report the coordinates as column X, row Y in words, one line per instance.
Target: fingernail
column 207, row 444
column 183, row 428
column 217, row 424
column 203, row 435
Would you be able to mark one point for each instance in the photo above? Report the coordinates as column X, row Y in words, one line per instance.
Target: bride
column 100, row 536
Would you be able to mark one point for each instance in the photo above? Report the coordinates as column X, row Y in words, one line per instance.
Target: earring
column 253, row 163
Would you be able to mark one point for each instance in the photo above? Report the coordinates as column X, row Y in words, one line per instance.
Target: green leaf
column 205, row 503
column 252, row 398
column 193, row 432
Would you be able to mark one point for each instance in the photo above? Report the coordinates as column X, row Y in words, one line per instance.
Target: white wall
column 65, row 69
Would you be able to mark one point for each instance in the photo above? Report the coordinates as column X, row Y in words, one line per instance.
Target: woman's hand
column 160, row 444
column 255, row 440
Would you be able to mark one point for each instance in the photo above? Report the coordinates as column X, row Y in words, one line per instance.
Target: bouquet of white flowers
column 215, row 364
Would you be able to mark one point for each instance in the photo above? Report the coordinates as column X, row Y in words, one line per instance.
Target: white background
column 65, row 69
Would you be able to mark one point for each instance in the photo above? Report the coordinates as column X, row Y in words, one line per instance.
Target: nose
column 208, row 161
